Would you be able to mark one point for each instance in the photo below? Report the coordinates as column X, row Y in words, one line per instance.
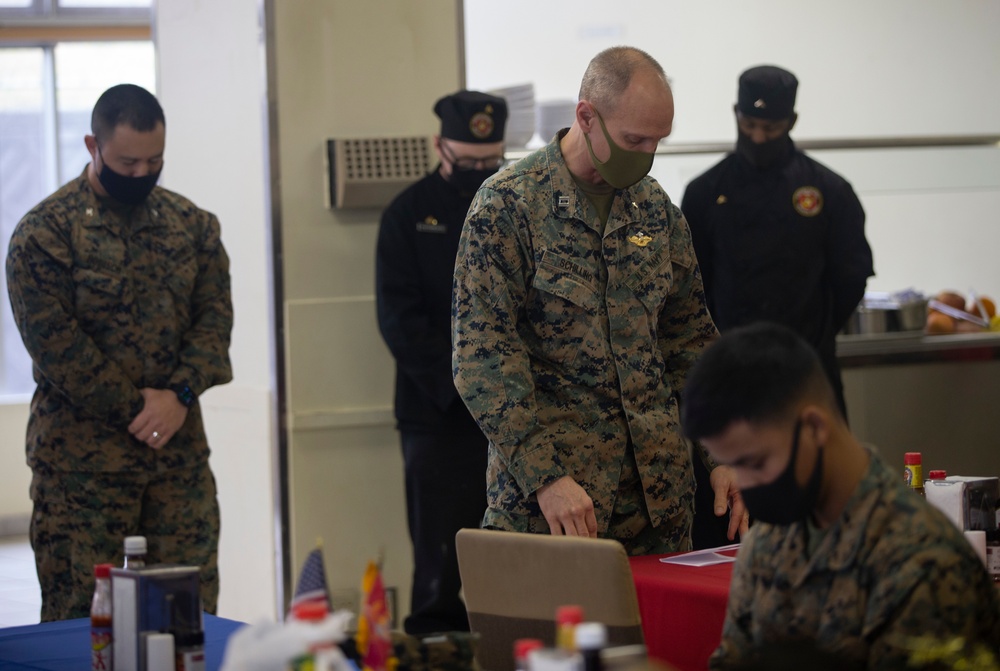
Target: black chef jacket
column 414, row 268
column 785, row 244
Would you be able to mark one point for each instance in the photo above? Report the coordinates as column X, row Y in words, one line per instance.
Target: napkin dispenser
column 969, row 502
column 152, row 599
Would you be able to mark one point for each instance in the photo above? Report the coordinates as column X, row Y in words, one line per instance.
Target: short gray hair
column 610, row 72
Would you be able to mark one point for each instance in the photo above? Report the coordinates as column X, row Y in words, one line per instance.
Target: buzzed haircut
column 610, row 72
column 126, row 104
column 754, row 373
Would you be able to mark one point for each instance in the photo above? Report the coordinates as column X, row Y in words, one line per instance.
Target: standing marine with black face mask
column 578, row 312
column 842, row 554
column 121, row 292
column 444, row 452
column 778, row 236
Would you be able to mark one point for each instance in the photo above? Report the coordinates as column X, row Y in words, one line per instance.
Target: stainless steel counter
column 885, row 349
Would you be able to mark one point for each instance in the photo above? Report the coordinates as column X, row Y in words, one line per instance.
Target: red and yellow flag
column 374, row 639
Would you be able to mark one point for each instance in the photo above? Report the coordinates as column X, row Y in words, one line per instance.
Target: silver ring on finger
column 156, row 434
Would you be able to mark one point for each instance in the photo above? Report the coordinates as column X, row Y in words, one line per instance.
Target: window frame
column 44, row 26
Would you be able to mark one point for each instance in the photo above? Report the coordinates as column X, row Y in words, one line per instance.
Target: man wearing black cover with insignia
column 444, row 451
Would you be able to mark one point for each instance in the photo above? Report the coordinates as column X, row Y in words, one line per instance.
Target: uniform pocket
column 563, row 308
column 99, row 297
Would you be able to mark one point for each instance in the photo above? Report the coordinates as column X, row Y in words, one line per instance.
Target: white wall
column 212, row 88
column 865, row 69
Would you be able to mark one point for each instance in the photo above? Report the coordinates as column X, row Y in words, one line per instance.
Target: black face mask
column 468, row 181
column 783, row 502
column 124, row 189
column 764, row 155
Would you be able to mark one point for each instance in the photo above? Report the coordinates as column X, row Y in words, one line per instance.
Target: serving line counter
column 908, row 347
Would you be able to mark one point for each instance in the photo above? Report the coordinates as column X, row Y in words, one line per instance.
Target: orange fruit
column 938, row 323
column 952, row 299
column 991, row 308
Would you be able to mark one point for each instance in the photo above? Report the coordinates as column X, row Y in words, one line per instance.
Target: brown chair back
column 513, row 583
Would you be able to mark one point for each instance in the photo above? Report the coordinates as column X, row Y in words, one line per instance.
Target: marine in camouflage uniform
column 842, row 555
column 112, row 299
column 891, row 569
column 572, row 340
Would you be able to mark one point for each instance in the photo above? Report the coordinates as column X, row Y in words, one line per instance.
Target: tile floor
column 20, row 598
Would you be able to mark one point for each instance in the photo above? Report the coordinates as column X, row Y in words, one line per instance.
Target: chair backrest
column 513, row 583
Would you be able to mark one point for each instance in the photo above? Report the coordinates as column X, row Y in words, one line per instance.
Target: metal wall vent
column 370, row 172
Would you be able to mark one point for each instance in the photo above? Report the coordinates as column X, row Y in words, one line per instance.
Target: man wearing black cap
column 444, row 451
column 779, row 237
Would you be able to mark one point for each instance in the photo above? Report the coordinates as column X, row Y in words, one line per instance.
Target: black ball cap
column 471, row 116
column 767, row 92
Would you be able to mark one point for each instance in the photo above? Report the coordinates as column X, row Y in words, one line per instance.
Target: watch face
column 185, row 396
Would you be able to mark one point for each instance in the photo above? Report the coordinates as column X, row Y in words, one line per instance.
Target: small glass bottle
column 100, row 620
column 135, row 552
column 913, row 474
column 522, row 648
column 567, row 617
column 591, row 638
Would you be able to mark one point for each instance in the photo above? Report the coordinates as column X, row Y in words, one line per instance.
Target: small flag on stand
column 374, row 640
column 311, row 587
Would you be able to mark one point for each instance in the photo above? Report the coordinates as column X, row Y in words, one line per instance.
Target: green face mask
column 623, row 167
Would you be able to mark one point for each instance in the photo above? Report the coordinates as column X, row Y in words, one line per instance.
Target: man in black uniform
column 778, row 236
column 444, row 451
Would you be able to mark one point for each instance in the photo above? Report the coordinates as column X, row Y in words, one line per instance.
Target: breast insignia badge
column 640, row 239
column 807, row 201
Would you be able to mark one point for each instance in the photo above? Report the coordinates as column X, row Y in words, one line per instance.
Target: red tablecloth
column 682, row 609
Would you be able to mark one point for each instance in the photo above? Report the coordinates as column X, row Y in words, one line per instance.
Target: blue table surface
column 65, row 645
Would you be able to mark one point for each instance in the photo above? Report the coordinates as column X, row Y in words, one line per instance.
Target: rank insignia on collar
column 90, row 211
column 807, row 201
column 563, row 201
column 640, row 239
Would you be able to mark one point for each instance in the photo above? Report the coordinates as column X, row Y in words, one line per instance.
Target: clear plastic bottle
column 591, row 639
column 567, row 617
column 135, row 552
column 101, row 648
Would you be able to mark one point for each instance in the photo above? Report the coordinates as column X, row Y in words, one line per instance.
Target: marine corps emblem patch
column 481, row 125
column 808, row 201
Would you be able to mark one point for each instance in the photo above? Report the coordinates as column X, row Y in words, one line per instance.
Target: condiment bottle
column 522, row 648
column 591, row 638
column 913, row 472
column 567, row 617
column 312, row 613
column 100, row 620
column 937, row 475
column 135, row 552
column 189, row 649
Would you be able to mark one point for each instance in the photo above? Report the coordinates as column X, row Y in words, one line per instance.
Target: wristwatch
column 184, row 394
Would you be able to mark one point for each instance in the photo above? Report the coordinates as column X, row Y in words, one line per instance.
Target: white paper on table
column 706, row 557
